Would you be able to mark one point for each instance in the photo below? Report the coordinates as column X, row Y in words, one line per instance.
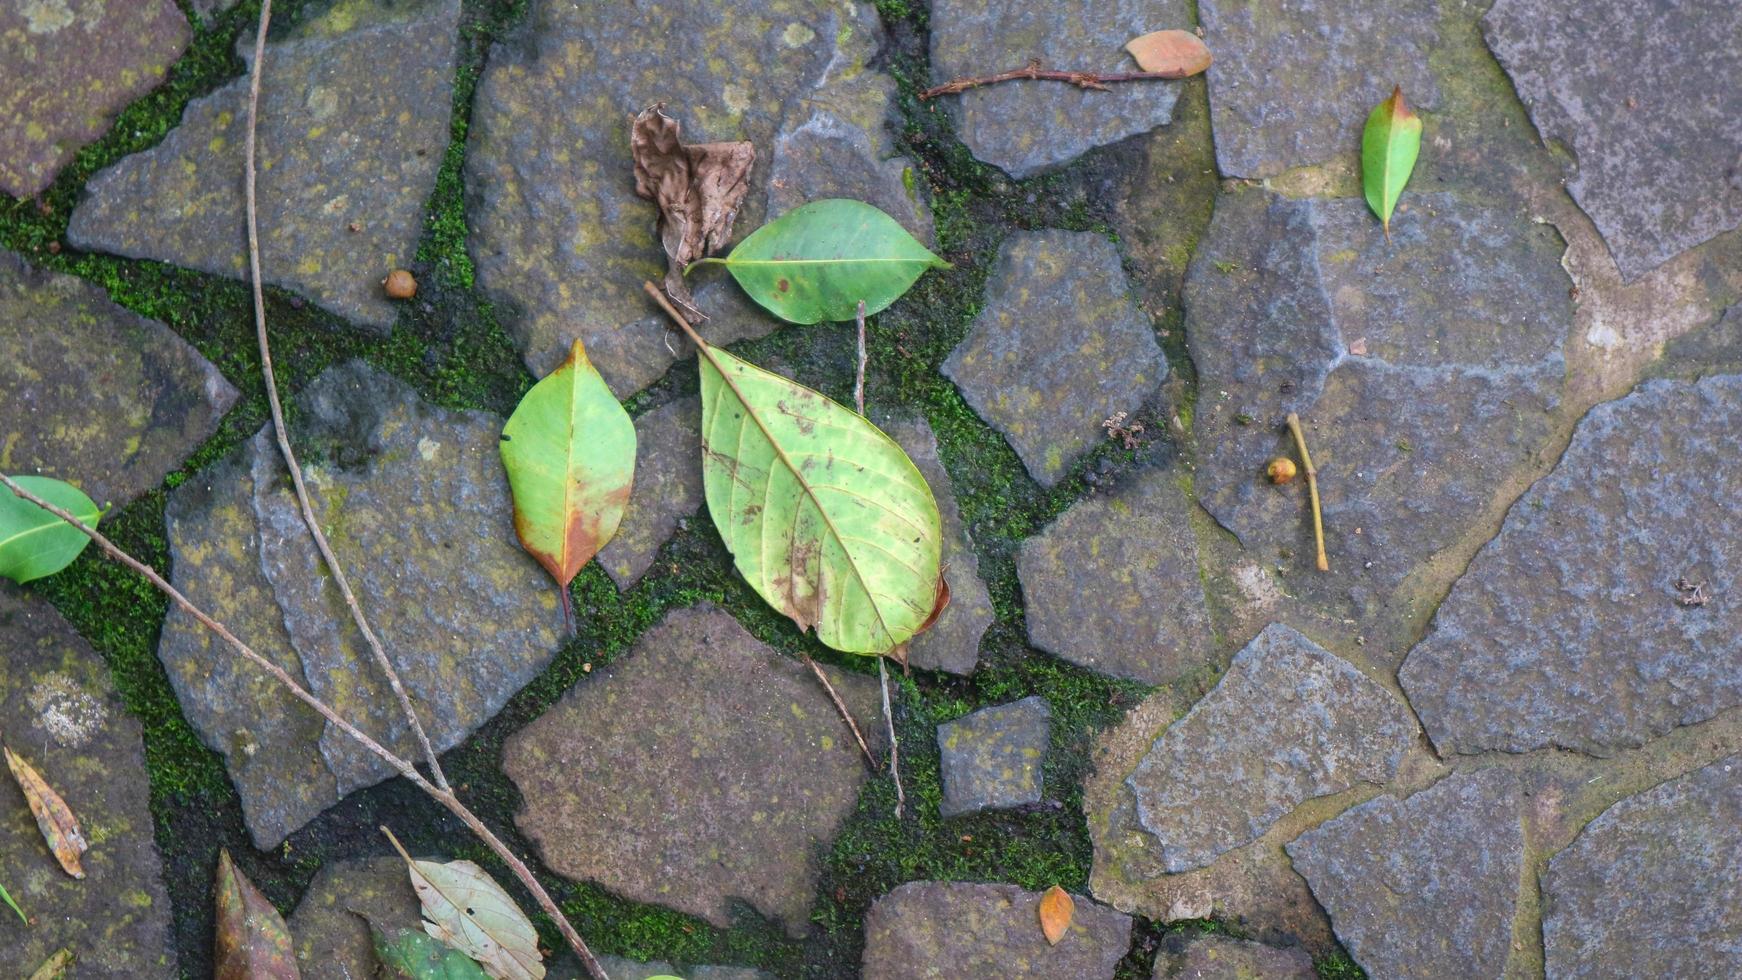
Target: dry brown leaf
column 698, row 189
column 252, row 942
column 59, row 827
column 1180, row 52
column 1056, row 909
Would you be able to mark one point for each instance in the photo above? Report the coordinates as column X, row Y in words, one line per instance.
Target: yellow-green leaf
column 56, row 966
column 7, row 898
column 60, row 828
column 1389, row 146
column 35, row 543
column 466, row 909
column 252, row 941
column 825, row 516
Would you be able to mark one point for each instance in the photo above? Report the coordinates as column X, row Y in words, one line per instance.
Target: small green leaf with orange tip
column 252, row 941
column 1389, row 147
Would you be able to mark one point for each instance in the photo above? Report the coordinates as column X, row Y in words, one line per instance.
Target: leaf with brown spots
column 1056, row 909
column 467, row 910
column 698, row 189
column 1181, row 53
column 53, row 817
column 252, row 941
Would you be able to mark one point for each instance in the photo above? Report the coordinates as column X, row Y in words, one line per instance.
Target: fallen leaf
column 252, row 942
column 55, row 967
column 1389, row 146
column 7, row 898
column 1056, row 909
column 35, row 543
column 819, row 260
column 466, row 909
column 53, row 817
column 1179, row 52
column 407, row 954
column 698, row 189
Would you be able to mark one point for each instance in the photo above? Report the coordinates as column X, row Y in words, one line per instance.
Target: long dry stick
column 1312, row 478
column 882, row 669
column 302, row 497
column 1099, row 81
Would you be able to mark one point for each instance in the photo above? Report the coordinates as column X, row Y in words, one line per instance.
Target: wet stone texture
column 1653, row 886
column 1288, row 722
column 1294, row 80
column 1212, row 957
column 1058, row 348
column 1569, row 628
column 1113, row 584
column 1024, row 127
column 735, row 751
column 992, row 758
column 1657, row 146
column 1302, row 305
column 155, row 401
column 332, row 942
column 63, row 716
column 415, row 503
column 559, row 236
column 667, row 489
column 67, row 67
column 933, row 930
column 364, row 89
column 1426, row 886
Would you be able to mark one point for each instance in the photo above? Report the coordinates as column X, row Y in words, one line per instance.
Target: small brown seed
column 1281, row 470
column 400, row 284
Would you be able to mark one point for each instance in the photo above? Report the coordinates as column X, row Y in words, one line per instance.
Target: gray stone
column 1059, row 346
column 67, row 67
column 1659, row 145
column 935, row 930
column 618, row 968
column 1025, row 127
column 952, row 644
column 332, row 941
column 1426, row 372
column 754, row 773
column 64, row 717
column 1288, row 722
column 1113, row 583
column 993, row 758
column 1653, row 886
column 1426, row 886
column 1294, row 80
column 354, row 112
column 1213, row 957
column 667, row 490
column 1568, row 629
column 558, row 234
column 107, row 399
column 415, row 502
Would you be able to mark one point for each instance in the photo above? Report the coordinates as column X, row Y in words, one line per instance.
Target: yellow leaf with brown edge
column 1181, row 54
column 53, row 817
column 1056, row 910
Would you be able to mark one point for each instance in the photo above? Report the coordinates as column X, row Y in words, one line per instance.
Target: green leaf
column 407, row 954
column 1389, row 146
column 825, row 516
column 252, row 942
column 35, row 543
column 7, row 898
column 468, row 911
column 569, row 449
column 817, row 261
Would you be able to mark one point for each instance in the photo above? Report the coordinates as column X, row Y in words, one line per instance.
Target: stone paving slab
column 667, row 490
column 328, row 927
column 994, row 758
column 933, row 930
column 1213, row 957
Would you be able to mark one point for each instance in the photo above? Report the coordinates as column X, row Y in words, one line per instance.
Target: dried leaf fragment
column 698, row 189
column 56, row 966
column 1056, row 909
column 55, row 819
column 466, row 909
column 252, row 941
column 1170, row 51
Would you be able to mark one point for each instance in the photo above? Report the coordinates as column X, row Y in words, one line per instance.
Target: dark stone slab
column 332, row 941
column 1658, row 145
column 1059, row 346
column 1653, row 886
column 1568, row 629
column 1207, row 956
column 67, row 67
column 558, row 234
column 667, row 490
column 1288, row 722
column 107, row 399
column 1423, row 887
column 1113, row 583
column 1294, row 80
column 701, row 768
column 1426, row 372
column 935, row 930
column 63, row 716
column 992, row 758
column 417, row 508
column 1025, row 127
column 354, row 112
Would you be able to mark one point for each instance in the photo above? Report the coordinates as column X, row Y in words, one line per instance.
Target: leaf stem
column 1099, row 81
column 1312, row 480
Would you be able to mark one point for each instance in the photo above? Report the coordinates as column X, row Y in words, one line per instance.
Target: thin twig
column 1096, row 80
column 1306, row 461
column 302, row 497
column 399, row 764
column 882, row 671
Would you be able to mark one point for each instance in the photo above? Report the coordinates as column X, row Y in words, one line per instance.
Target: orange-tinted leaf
column 1180, row 53
column 1056, row 910
column 59, row 827
column 252, row 943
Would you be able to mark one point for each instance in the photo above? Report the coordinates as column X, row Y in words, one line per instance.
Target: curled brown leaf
column 698, row 189
column 1170, row 51
column 53, row 817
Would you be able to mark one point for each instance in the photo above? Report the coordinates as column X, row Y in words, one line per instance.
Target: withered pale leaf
column 698, row 189
column 252, row 941
column 1056, row 910
column 1179, row 53
column 59, row 827
column 466, row 909
column 55, row 967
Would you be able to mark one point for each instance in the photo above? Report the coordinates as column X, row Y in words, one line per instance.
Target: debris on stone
column 932, row 930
